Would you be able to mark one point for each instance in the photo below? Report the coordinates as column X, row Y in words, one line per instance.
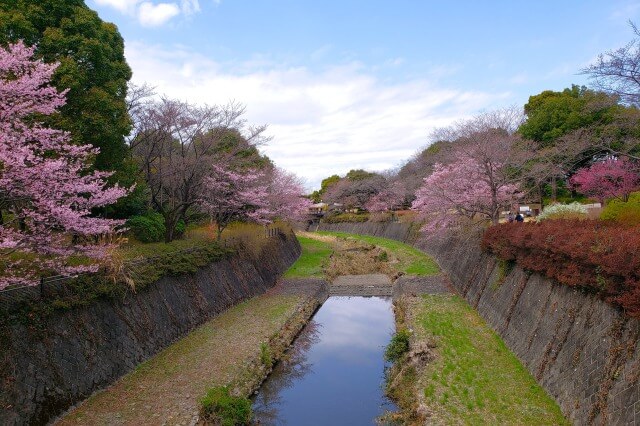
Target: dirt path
column 166, row 389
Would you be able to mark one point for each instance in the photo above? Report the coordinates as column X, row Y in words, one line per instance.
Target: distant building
column 529, row 209
column 318, row 208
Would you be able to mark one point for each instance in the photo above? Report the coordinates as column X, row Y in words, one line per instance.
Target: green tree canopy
column 92, row 67
column 551, row 115
column 360, row 174
column 327, row 182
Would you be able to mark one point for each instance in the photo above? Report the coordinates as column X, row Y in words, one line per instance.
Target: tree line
column 84, row 154
column 562, row 145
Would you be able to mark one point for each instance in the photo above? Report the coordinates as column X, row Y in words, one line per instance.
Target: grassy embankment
column 312, row 261
column 166, row 388
column 472, row 377
column 411, row 260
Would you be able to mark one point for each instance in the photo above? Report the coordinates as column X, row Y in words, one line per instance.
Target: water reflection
column 333, row 374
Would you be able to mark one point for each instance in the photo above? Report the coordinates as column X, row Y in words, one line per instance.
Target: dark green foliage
column 360, row 174
column 553, row 114
column 92, row 67
column 239, row 152
column 148, row 228
column 326, row 183
column 180, row 228
column 221, row 408
column 398, row 346
column 137, row 202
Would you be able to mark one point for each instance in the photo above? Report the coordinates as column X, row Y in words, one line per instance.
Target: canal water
column 334, row 372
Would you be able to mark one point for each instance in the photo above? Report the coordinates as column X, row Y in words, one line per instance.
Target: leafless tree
column 176, row 143
column 507, row 119
column 355, row 192
column 618, row 71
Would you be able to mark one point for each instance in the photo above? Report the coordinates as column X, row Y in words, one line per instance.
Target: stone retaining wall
column 392, row 230
column 46, row 370
column 583, row 351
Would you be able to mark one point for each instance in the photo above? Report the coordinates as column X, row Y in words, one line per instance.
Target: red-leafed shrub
column 599, row 256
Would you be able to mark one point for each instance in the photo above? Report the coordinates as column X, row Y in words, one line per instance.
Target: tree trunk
column 554, row 189
column 170, row 225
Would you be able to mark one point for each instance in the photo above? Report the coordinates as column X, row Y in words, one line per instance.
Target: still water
column 334, row 372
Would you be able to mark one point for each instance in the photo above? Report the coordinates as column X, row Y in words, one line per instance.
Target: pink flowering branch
column 285, row 197
column 228, row 196
column 46, row 193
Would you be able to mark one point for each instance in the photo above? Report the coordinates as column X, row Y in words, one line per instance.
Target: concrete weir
column 361, row 285
column 381, row 285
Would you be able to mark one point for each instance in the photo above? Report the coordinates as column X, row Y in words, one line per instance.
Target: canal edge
column 315, row 292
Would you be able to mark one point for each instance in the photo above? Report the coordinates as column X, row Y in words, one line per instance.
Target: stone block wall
column 44, row 370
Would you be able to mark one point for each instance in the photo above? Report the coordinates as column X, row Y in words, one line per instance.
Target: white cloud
column 123, row 6
column 150, row 14
column 322, row 122
column 153, row 15
column 189, row 7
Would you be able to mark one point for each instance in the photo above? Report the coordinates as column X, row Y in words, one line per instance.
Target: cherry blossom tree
column 176, row 143
column 228, row 196
column 462, row 189
column 611, row 178
column 388, row 199
column 285, row 197
column 46, row 191
column 480, row 178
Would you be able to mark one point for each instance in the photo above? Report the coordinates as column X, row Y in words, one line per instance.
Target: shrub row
column 347, row 217
column 602, row 257
column 150, row 227
column 133, row 275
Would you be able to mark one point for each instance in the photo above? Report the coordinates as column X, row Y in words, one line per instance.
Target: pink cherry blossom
column 46, row 193
column 285, row 197
column 463, row 188
column 228, row 196
column 611, row 178
column 388, row 199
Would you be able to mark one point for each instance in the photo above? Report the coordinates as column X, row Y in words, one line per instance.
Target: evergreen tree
column 92, row 66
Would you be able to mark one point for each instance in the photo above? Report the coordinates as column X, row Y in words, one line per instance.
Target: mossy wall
column 46, row 369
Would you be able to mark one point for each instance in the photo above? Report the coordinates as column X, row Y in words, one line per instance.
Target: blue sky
column 362, row 84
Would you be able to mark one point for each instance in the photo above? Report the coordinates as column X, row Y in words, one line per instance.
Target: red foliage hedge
column 599, row 256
